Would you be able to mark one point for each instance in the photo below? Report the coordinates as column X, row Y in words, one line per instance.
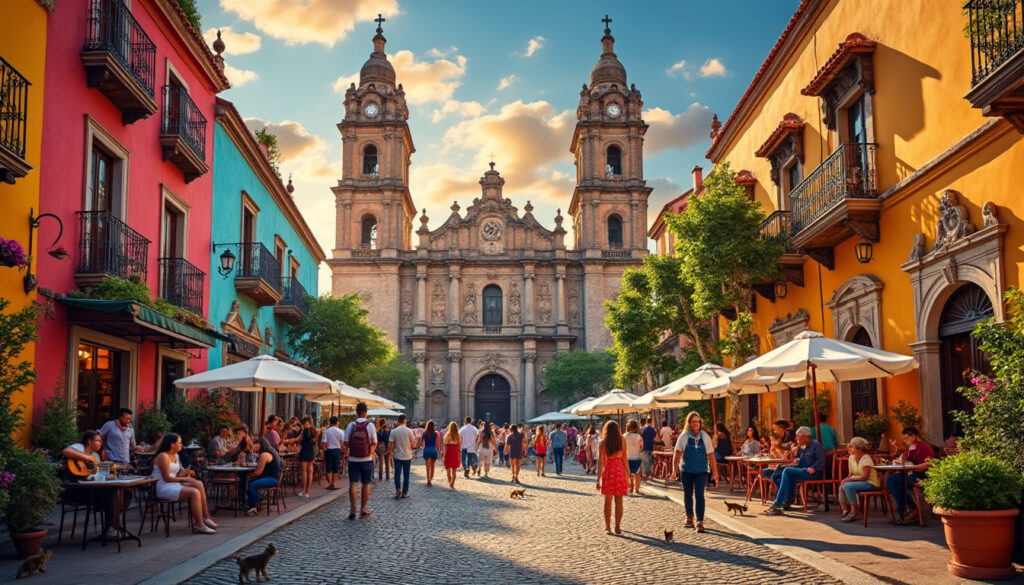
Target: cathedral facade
column 483, row 302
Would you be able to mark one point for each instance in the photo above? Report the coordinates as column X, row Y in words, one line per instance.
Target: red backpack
column 359, row 442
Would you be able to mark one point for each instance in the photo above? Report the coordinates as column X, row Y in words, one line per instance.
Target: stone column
column 560, row 299
column 529, row 385
column 420, row 410
column 346, row 226
column 454, row 385
column 930, row 384
column 595, row 225
column 634, row 235
column 528, row 297
column 454, row 294
column 384, row 235
column 421, row 296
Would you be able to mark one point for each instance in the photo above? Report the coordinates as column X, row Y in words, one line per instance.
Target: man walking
column 333, row 441
column 468, row 434
column 401, row 443
column 119, row 437
column 361, row 440
column 558, row 440
column 648, row 434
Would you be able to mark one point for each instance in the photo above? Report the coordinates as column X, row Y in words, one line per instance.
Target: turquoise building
column 264, row 260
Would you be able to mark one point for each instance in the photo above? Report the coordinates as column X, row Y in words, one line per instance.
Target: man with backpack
column 360, row 438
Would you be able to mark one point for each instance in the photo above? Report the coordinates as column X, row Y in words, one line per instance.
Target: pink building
column 127, row 151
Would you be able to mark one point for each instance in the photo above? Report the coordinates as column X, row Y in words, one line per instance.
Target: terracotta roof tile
column 790, row 124
column 854, row 44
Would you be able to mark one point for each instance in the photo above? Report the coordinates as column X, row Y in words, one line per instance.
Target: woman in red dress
column 452, row 452
column 612, row 471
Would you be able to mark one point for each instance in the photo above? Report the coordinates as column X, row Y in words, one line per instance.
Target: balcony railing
column 108, row 247
column 779, row 223
column 293, row 307
column 996, row 28
column 112, row 28
column 181, row 283
column 182, row 118
column 13, row 108
column 258, row 274
column 849, row 172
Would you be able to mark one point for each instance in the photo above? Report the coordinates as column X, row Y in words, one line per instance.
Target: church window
column 613, row 161
column 369, row 232
column 614, row 232
column 492, row 305
column 370, row 164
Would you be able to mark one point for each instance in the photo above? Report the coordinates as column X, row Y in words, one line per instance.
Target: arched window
column 369, row 239
column 370, row 166
column 492, row 305
column 613, row 161
column 959, row 353
column 614, row 232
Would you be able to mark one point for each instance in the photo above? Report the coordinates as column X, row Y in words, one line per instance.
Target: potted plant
column 976, row 496
column 33, row 495
column 12, row 254
column 870, row 426
column 57, row 426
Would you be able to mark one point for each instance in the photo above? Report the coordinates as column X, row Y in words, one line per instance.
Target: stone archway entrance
column 960, row 355
column 492, row 399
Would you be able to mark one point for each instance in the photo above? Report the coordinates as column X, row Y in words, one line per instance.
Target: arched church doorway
column 959, row 353
column 492, row 399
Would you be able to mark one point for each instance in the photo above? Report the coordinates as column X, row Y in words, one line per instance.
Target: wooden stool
column 272, row 496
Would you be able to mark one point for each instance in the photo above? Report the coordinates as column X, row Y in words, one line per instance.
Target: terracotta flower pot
column 981, row 542
column 28, row 543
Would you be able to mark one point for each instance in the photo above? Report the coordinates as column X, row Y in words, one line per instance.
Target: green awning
column 129, row 319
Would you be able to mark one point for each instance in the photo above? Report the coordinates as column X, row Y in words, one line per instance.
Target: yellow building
column 22, row 57
column 882, row 140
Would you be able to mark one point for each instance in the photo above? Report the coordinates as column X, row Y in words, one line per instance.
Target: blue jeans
column 502, row 458
column 693, row 488
column 648, row 458
column 559, row 454
column 903, row 494
column 402, row 475
column 256, row 484
column 848, row 493
column 788, row 478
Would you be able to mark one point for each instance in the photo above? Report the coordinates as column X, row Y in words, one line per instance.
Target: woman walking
column 430, row 442
column 611, row 473
column 540, row 449
column 634, row 445
column 307, row 454
column 178, row 484
column 452, row 452
column 698, row 455
column 514, row 450
column 500, row 433
column 486, row 447
column 863, row 477
column 588, row 446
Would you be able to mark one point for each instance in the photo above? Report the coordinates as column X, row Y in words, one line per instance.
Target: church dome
column 377, row 68
column 608, row 69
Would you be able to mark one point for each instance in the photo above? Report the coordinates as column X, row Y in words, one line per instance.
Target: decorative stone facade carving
column 990, row 214
column 515, row 304
column 574, row 304
column 783, row 330
column 469, row 305
column 543, row 303
column 407, row 310
column 493, row 361
column 437, row 302
column 953, row 224
column 437, row 375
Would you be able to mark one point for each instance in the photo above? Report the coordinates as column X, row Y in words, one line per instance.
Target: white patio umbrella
column 651, row 401
column 614, row 402
column 688, row 386
column 556, row 416
column 569, row 408
column 260, row 374
column 387, row 412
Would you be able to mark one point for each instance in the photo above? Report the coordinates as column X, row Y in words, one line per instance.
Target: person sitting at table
column 919, row 454
column 751, row 446
column 89, row 450
column 266, row 474
column 723, row 443
column 270, row 432
column 809, row 464
column 243, row 445
column 829, row 437
column 780, row 444
column 291, row 433
column 219, row 444
column 862, row 478
column 179, row 484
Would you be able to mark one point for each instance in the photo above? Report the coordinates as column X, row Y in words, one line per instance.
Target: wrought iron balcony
column 293, row 307
column 183, row 133
column 13, row 122
column 120, row 59
column 181, row 283
column 776, row 224
column 258, row 274
column 108, row 247
column 996, row 28
column 838, row 199
column 779, row 223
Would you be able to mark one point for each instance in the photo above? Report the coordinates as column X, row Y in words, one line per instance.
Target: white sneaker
column 112, row 534
column 301, row 494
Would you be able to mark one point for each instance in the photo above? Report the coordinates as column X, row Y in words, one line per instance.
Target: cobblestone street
column 476, row 534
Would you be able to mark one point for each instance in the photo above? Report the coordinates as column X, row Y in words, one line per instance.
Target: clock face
column 370, row 110
column 613, row 110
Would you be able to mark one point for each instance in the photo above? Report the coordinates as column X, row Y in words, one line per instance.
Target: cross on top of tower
column 379, row 20
column 607, row 21
column 492, row 161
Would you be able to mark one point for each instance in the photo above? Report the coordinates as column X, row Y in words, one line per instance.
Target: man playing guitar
column 86, row 456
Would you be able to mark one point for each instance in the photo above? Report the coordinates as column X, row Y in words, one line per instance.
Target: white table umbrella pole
column 817, row 424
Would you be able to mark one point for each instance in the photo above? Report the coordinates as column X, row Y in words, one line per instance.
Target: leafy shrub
column 214, row 410
column 152, row 422
column 906, row 414
column 17, row 329
column 870, row 425
column 118, row 289
column 182, row 416
column 33, row 492
column 57, row 426
column 972, row 481
column 803, row 409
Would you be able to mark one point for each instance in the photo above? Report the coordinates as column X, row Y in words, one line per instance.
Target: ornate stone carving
column 454, row 356
column 493, row 361
column 783, row 330
column 953, row 221
column 574, row 304
column 543, row 302
column 268, row 336
column 469, row 305
column 530, row 357
column 515, row 303
column 437, row 302
column 419, row 357
column 407, row 309
column 437, row 374
column 918, row 251
column 491, row 230
column 990, row 214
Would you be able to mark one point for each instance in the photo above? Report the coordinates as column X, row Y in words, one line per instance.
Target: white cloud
column 461, row 109
column 713, row 68
column 678, row 68
column 239, row 77
column 507, row 82
column 294, row 141
column 424, row 81
column 535, row 44
column 439, row 53
column 668, row 130
column 234, row 43
column 298, row 22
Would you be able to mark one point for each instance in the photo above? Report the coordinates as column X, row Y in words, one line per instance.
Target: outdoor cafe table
column 736, row 463
column 241, row 470
column 119, row 485
column 887, row 468
column 761, row 463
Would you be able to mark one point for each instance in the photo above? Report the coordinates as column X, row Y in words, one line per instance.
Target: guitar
column 83, row 468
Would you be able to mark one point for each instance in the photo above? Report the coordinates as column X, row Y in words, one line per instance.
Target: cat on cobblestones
column 255, row 562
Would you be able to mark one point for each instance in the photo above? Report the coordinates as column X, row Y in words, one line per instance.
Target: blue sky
column 485, row 77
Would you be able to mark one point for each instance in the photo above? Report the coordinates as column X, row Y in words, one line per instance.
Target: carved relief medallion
column 491, row 230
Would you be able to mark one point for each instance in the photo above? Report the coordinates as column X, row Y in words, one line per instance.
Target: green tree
column 191, row 13
column 337, row 341
column 395, row 378
column 269, row 140
column 719, row 240
column 17, row 329
column 577, row 374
